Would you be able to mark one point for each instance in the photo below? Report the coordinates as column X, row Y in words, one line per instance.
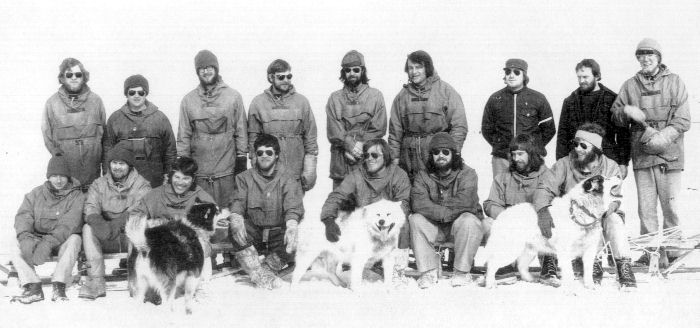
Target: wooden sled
column 656, row 244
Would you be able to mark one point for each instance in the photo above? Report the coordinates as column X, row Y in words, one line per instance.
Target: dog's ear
column 594, row 184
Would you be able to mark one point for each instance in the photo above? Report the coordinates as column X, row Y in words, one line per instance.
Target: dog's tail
column 136, row 231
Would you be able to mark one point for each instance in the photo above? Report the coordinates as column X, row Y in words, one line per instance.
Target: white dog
column 577, row 232
column 368, row 234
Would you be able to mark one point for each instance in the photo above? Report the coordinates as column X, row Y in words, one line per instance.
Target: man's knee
column 73, row 244
column 466, row 222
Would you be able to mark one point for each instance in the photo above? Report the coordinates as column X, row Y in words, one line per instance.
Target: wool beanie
column 121, row 152
column 58, row 166
column 353, row 58
column 205, row 58
column 648, row 45
column 442, row 140
column 136, row 81
column 516, row 63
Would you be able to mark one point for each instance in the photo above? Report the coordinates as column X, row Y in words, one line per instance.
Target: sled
column 656, row 244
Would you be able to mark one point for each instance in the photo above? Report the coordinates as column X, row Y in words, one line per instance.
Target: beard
column 213, row 81
column 352, row 83
column 581, row 163
column 589, row 88
column 520, row 168
column 70, row 89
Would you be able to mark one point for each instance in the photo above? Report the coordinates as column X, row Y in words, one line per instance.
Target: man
column 653, row 106
column 378, row 178
column 513, row 110
column 585, row 160
column 265, row 212
column 48, row 222
column 213, row 130
column 145, row 130
column 356, row 113
column 444, row 200
column 73, row 123
column 109, row 200
column 591, row 102
column 425, row 106
column 282, row 112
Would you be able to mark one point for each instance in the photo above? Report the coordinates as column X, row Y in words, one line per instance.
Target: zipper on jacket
column 515, row 113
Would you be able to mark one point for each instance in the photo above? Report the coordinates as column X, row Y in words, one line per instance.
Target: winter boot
column 548, row 274
column 460, row 279
column 93, row 288
column 625, row 276
column 428, row 279
column 260, row 275
column 59, row 292
column 32, row 293
column 642, row 261
column 597, row 271
column 398, row 277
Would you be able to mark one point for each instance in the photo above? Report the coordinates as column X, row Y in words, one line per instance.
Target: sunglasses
column 69, row 75
column 444, row 151
column 266, row 152
column 575, row 144
column 133, row 92
column 282, row 77
column 354, row 69
column 514, row 71
column 372, row 155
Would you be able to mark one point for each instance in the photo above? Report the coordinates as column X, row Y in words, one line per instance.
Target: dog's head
column 384, row 219
column 594, row 195
column 204, row 215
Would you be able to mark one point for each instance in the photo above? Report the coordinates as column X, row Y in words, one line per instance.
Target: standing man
column 425, row 106
column 445, row 204
column 145, row 130
column 653, row 106
column 355, row 113
column 591, row 102
column 513, row 110
column 73, row 123
column 213, row 130
column 282, row 112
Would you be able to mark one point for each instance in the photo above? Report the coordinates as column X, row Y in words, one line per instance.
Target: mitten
column 241, row 165
column 290, row 235
column 308, row 175
column 545, row 222
column 237, row 227
column 332, row 229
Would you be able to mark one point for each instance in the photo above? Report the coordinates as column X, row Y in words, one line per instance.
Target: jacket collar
column 74, row 102
column 128, row 182
column 150, row 109
column 429, row 83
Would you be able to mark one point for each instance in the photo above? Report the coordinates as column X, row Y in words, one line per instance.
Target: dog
column 170, row 256
column 368, row 234
column 577, row 232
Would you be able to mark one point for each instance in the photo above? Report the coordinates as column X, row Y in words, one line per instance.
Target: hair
column 386, row 153
column 67, row 64
column 592, row 64
column 277, row 65
column 456, row 163
column 528, row 143
column 267, row 140
column 187, row 166
column 363, row 78
column 423, row 58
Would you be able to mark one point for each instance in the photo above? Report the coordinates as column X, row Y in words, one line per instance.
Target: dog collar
column 586, row 212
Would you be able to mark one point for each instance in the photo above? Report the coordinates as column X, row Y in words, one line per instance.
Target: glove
column 357, row 150
column 657, row 142
column 42, row 253
column 623, row 172
column 27, row 244
column 116, row 226
column 350, row 158
column 241, row 165
column 237, row 227
column 395, row 161
column 290, row 235
column 544, row 220
column 332, row 229
column 612, row 208
column 635, row 114
column 308, row 175
column 100, row 226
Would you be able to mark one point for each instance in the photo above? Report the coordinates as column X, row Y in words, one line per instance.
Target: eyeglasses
column 282, row 77
column 354, row 69
column 372, row 155
column 133, row 92
column 266, row 152
column 514, row 71
column 69, row 75
column 206, row 69
column 575, row 143
column 444, row 151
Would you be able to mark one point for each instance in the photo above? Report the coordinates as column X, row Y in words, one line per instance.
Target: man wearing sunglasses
column 591, row 102
column 286, row 114
column 213, row 130
column 446, row 206
column 144, row 130
column 73, row 121
column 513, row 110
column 355, row 114
column 425, row 106
column 585, row 160
column 265, row 212
column 653, row 106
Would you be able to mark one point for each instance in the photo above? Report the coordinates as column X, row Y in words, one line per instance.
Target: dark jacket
column 445, row 199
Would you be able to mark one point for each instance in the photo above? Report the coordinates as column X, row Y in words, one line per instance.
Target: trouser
column 266, row 240
column 655, row 184
column 94, row 248
column 466, row 232
column 615, row 233
column 221, row 189
column 336, row 183
column 499, row 165
column 67, row 256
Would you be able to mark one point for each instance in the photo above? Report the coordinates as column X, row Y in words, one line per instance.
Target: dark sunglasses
column 575, row 144
column 282, row 77
column 444, row 151
column 373, row 155
column 266, row 152
column 133, row 92
column 354, row 69
column 514, row 71
column 69, row 75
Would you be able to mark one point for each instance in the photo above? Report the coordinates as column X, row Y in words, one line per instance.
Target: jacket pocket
column 282, row 121
column 261, row 213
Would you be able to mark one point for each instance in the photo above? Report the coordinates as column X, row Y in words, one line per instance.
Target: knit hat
column 205, row 58
column 442, row 140
column 516, row 63
column 648, row 46
column 121, row 152
column 353, row 58
column 58, row 166
column 135, row 81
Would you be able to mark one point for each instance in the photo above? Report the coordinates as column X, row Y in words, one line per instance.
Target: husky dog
column 577, row 232
column 368, row 234
column 170, row 256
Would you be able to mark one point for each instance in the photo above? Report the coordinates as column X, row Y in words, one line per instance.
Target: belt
column 211, row 178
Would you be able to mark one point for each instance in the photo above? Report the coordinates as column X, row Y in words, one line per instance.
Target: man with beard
column 109, row 200
column 73, row 121
column 591, row 102
column 585, row 160
column 513, row 110
column 378, row 178
column 144, row 129
column 282, row 112
column 653, row 106
column 446, row 206
column 425, row 106
column 213, row 130
column 48, row 222
column 355, row 113
column 265, row 212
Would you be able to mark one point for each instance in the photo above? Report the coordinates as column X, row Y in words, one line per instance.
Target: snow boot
column 548, row 274
column 460, row 279
column 577, row 264
column 32, row 293
column 93, row 288
column 428, row 279
column 625, row 276
column 261, row 276
column 59, row 292
column 398, row 277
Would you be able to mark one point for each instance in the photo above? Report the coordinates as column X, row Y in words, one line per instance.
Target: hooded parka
column 163, row 204
column 112, row 201
column 511, row 188
column 444, row 199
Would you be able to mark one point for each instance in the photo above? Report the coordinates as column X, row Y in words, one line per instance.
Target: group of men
column 149, row 171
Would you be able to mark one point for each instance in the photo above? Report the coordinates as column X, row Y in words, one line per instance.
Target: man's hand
column 623, row 172
column 545, row 222
column 237, row 227
column 332, row 230
column 635, row 114
column 395, row 161
column 357, row 150
column 350, row 158
column 612, row 208
column 290, row 235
